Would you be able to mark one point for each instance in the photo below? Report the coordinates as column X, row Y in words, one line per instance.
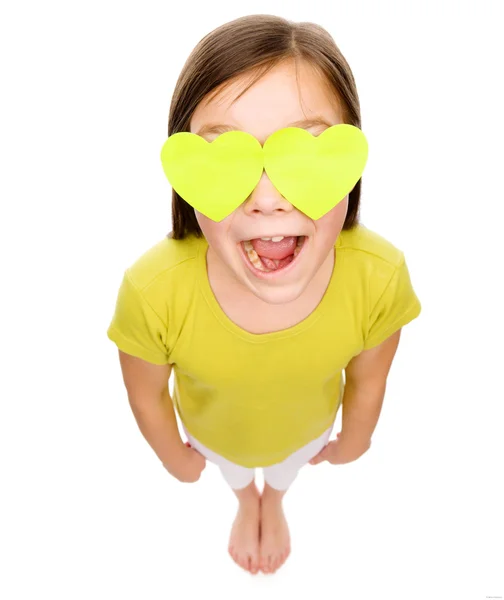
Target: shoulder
column 372, row 263
column 365, row 245
column 165, row 261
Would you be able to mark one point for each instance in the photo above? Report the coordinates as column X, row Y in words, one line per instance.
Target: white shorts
column 279, row 476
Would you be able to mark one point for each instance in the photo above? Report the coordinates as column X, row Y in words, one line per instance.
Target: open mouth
column 266, row 267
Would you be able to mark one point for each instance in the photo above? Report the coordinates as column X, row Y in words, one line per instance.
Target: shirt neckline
column 208, row 294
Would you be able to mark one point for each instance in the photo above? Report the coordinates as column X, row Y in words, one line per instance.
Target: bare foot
column 275, row 539
column 244, row 539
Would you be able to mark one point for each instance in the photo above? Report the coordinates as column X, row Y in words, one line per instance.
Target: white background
column 87, row 510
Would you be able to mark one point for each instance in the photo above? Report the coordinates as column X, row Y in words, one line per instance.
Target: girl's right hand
column 188, row 465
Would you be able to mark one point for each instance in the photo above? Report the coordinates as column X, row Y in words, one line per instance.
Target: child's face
column 272, row 103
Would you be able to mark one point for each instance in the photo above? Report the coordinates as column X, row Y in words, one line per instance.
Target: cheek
column 333, row 221
column 211, row 230
column 216, row 235
column 341, row 209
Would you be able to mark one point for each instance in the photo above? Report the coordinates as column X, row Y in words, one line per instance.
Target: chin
column 282, row 294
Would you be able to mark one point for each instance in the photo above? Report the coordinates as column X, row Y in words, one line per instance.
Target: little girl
column 261, row 312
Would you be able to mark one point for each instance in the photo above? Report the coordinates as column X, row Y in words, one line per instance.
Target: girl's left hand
column 339, row 452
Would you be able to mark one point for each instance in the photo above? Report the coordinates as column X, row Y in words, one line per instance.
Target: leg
column 243, row 544
column 244, row 539
column 275, row 538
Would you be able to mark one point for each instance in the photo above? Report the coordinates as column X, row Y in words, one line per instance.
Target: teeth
column 254, row 258
column 248, row 244
column 278, row 238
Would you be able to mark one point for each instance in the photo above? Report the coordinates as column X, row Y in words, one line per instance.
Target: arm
column 150, row 401
column 366, row 377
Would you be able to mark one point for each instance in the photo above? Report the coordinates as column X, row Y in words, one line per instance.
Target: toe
column 280, row 559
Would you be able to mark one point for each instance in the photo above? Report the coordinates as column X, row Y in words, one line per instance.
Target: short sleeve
column 136, row 328
column 397, row 306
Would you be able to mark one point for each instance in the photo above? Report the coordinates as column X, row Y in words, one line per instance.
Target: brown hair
column 255, row 44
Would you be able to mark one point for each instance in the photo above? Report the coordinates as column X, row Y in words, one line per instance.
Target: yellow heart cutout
column 313, row 173
column 214, row 178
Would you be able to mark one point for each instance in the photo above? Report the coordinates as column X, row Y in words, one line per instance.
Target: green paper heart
column 214, row 178
column 315, row 173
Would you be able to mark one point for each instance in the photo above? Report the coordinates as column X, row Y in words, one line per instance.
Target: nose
column 266, row 198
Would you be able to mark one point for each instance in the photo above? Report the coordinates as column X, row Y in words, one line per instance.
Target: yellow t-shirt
column 256, row 398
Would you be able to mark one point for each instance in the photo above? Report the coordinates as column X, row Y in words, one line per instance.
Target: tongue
column 275, row 250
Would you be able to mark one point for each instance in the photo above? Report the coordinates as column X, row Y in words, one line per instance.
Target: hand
column 341, row 451
column 188, row 465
